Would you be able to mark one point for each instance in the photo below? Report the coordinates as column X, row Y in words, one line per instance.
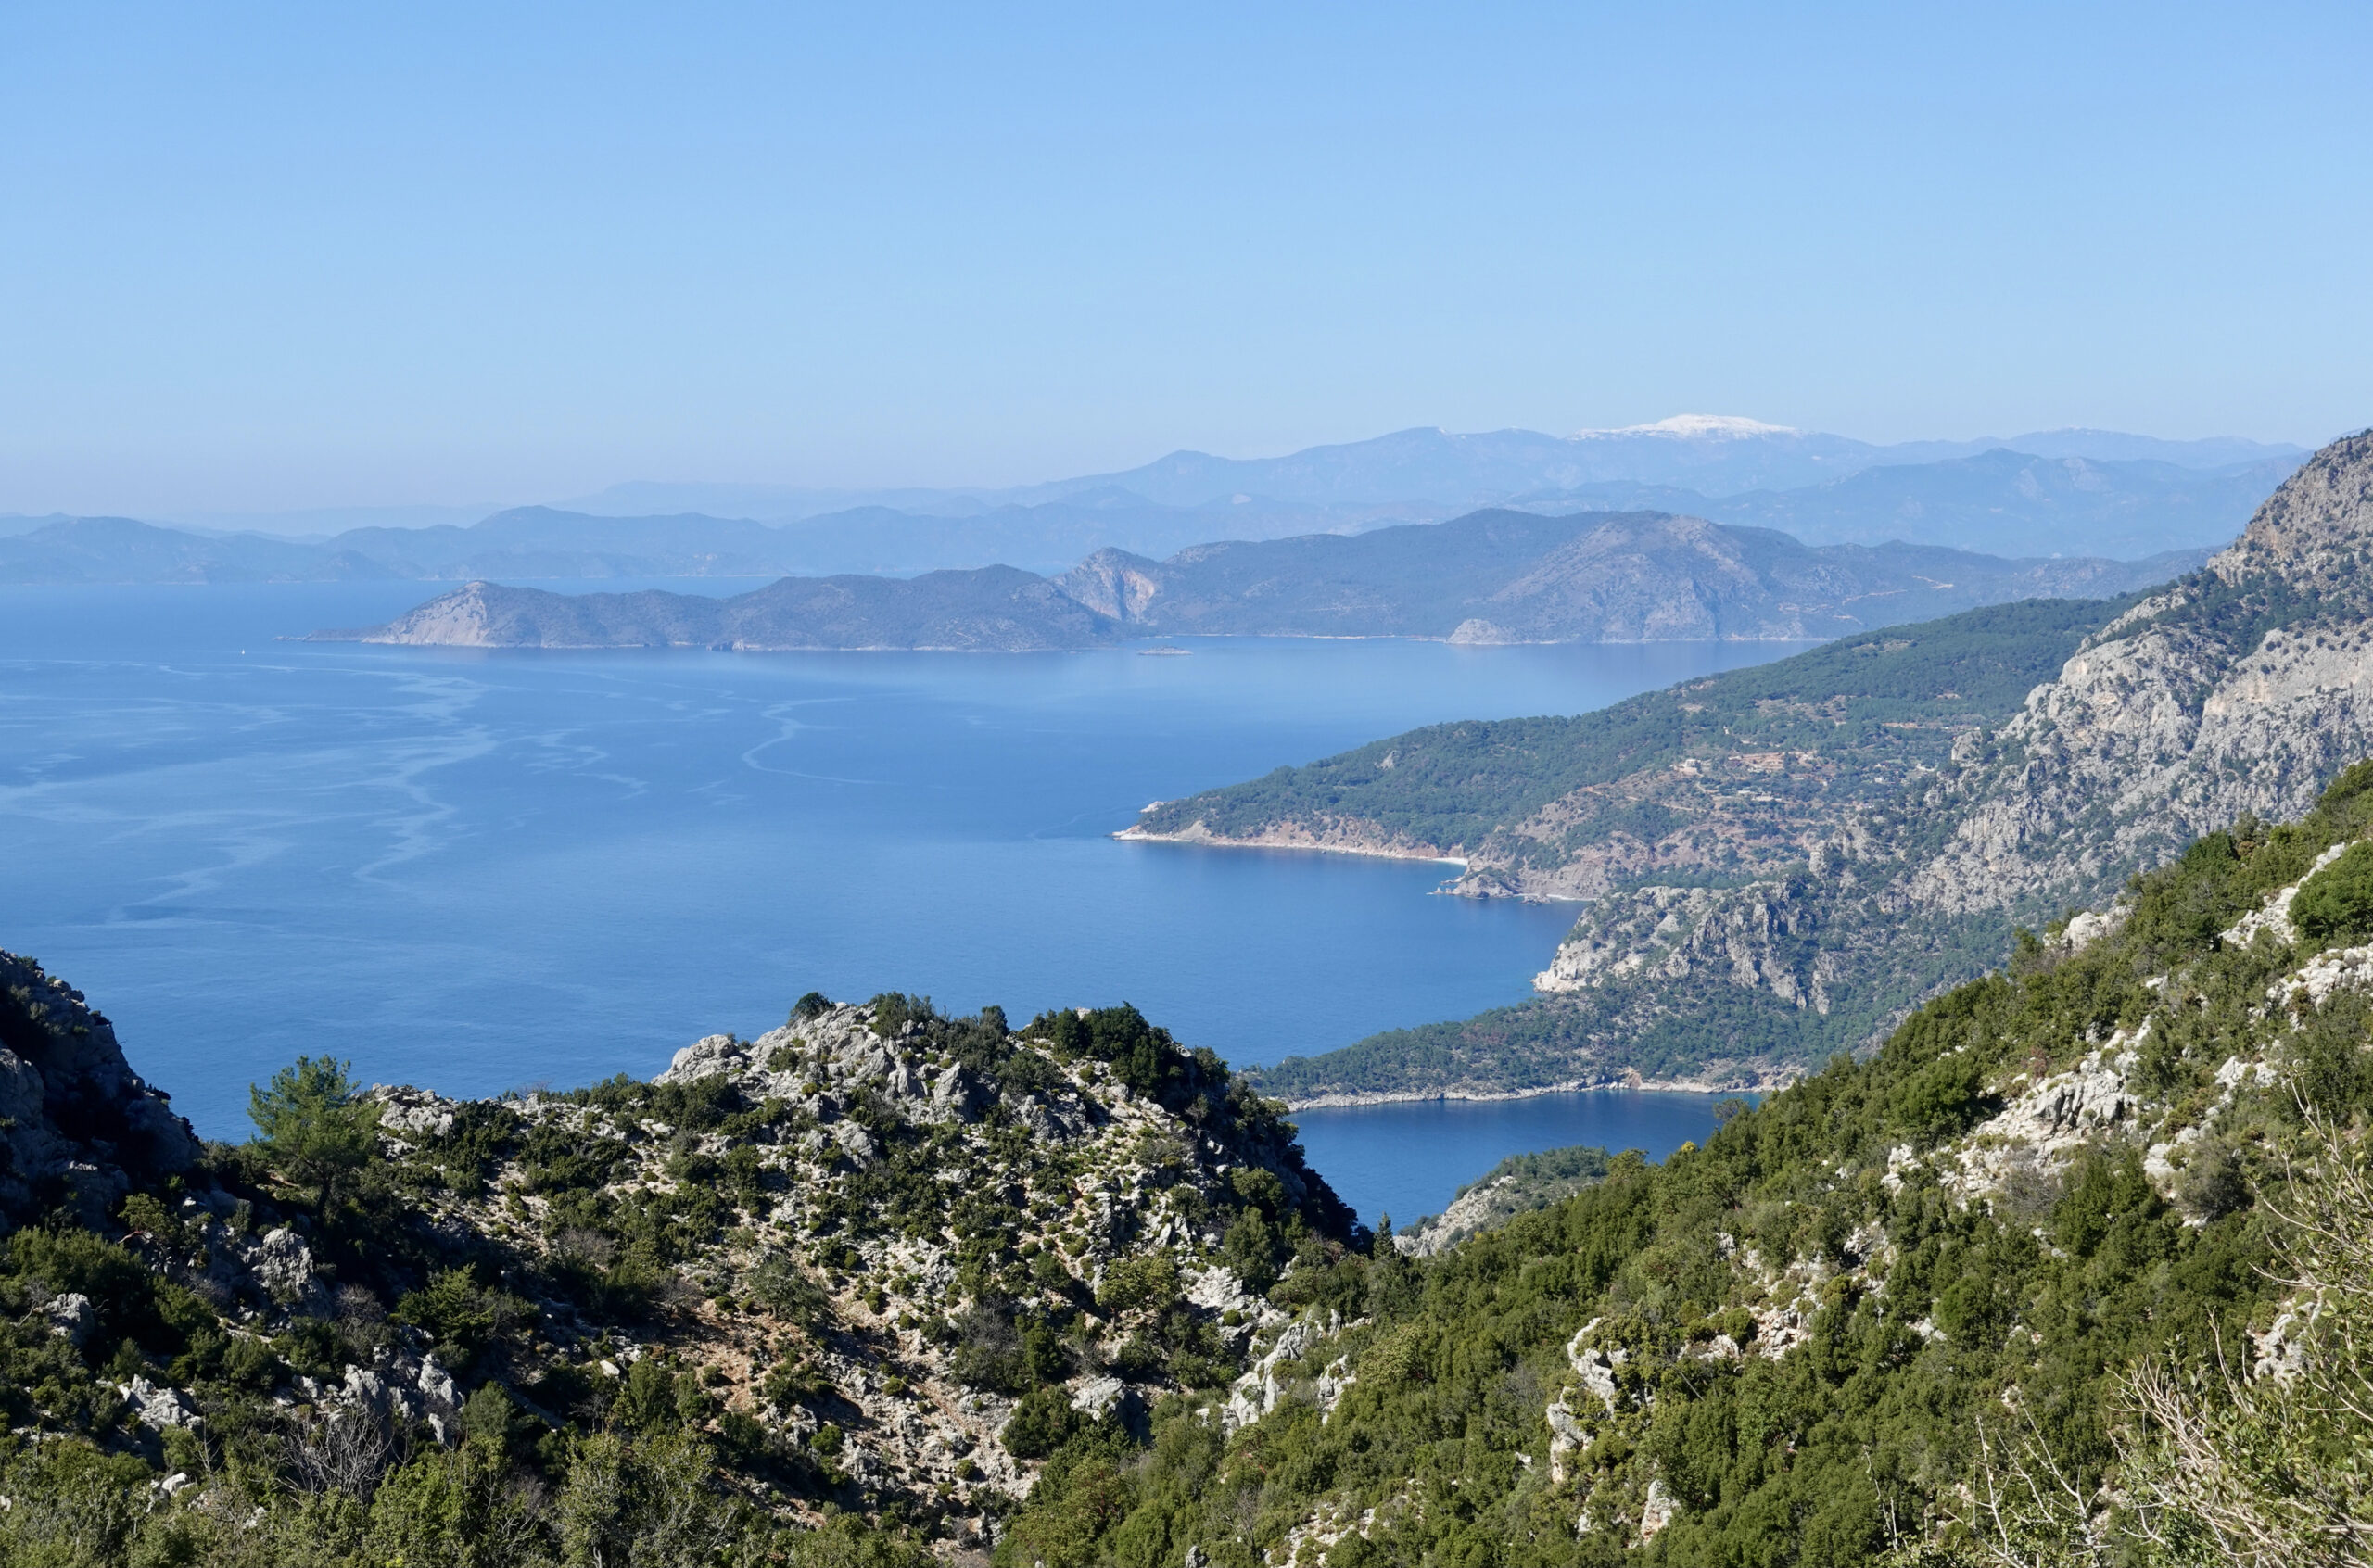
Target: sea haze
column 475, row 871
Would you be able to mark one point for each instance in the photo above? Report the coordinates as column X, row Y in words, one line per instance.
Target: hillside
column 995, row 608
column 2016, row 1244
column 1512, row 577
column 1524, row 1184
column 877, row 1263
column 1727, row 777
column 2241, row 689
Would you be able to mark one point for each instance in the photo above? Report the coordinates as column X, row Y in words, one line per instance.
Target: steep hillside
column 1511, row 576
column 2016, row 1244
column 78, row 1128
column 2241, row 689
column 995, row 608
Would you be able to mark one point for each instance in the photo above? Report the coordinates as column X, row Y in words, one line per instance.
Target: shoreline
column 1577, row 1086
column 1213, row 841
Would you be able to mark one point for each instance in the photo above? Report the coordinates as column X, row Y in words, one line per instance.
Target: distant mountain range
column 2046, row 493
column 1710, row 454
column 1493, row 576
column 2001, row 501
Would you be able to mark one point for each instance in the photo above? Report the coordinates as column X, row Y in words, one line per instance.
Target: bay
column 479, row 871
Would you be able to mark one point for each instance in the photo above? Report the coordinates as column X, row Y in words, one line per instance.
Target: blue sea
column 476, row 870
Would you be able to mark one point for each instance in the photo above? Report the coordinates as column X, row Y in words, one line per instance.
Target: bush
column 1042, row 1422
column 789, row 1292
column 2336, row 904
column 1132, row 1283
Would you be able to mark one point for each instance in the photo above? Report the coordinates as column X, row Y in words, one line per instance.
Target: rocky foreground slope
column 876, row 1264
column 2241, row 689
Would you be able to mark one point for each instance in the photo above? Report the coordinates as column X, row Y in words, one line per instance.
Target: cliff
column 78, row 1128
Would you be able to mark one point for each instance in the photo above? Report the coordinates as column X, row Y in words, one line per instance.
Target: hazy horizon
column 329, row 518
column 294, row 258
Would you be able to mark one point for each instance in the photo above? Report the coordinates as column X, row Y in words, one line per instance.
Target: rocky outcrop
column 77, row 1125
column 1005, row 1153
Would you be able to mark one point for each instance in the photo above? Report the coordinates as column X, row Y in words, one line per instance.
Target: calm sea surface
column 480, row 871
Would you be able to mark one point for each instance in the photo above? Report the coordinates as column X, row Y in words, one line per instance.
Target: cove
column 1408, row 1160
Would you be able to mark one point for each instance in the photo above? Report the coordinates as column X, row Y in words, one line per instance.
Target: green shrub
column 2336, row 904
column 1042, row 1422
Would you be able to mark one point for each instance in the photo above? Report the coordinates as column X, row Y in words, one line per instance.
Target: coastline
column 1215, row 840
column 1577, row 1086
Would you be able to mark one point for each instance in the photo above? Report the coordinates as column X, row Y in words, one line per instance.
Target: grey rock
column 60, row 1065
column 283, row 1264
column 858, row 1144
column 160, row 1407
column 71, row 1316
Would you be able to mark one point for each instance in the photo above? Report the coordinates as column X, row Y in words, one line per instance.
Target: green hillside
column 1862, row 711
column 1954, row 1303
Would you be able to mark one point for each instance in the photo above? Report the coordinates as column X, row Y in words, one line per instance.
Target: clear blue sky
column 263, row 256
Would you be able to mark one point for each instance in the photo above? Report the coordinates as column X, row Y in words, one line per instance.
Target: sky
column 263, row 256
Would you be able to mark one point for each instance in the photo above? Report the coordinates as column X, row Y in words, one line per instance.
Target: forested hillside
column 1723, row 777
column 2016, row 1244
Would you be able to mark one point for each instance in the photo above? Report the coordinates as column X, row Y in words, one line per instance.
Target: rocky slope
column 995, row 608
column 877, row 1259
column 1822, row 1338
column 78, row 1128
column 2241, row 689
